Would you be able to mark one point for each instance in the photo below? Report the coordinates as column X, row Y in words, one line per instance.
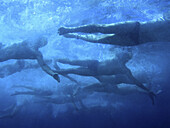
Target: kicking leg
column 26, row 87
column 121, row 40
column 101, row 28
column 78, row 71
column 91, row 37
column 23, row 93
column 86, row 29
column 83, row 63
column 10, row 112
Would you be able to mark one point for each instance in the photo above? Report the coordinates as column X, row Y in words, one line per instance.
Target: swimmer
column 33, row 91
column 95, row 68
column 28, row 49
column 12, row 110
column 130, row 33
column 20, row 65
column 10, row 69
column 119, row 84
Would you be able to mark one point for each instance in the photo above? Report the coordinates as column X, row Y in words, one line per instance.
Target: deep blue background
column 20, row 19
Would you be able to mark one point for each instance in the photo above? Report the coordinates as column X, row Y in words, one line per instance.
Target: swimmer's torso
column 17, row 51
column 110, row 67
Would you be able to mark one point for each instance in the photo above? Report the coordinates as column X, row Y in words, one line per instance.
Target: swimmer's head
column 166, row 16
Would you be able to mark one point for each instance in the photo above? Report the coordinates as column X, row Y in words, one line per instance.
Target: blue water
column 22, row 19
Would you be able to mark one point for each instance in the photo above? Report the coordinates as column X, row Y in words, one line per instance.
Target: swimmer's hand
column 152, row 96
column 62, row 31
column 56, row 77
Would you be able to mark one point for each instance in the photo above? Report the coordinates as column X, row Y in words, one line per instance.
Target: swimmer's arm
column 139, row 84
column 135, row 81
column 45, row 67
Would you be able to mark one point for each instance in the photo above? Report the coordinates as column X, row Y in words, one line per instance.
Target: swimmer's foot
column 63, row 30
column 72, row 35
column 56, row 77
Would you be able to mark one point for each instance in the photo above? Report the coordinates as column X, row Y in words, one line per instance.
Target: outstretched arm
column 135, row 81
column 45, row 67
column 139, row 84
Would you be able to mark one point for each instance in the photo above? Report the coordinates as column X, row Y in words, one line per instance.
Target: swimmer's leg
column 82, row 104
column 23, row 93
column 100, row 28
column 73, row 102
column 9, row 112
column 6, row 115
column 83, row 63
column 26, row 87
column 121, row 40
column 77, row 71
column 10, row 108
column 86, row 29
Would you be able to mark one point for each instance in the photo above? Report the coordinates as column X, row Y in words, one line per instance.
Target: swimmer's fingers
column 56, row 77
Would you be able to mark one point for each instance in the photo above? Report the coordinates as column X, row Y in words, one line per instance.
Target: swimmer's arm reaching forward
column 139, row 84
column 45, row 67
